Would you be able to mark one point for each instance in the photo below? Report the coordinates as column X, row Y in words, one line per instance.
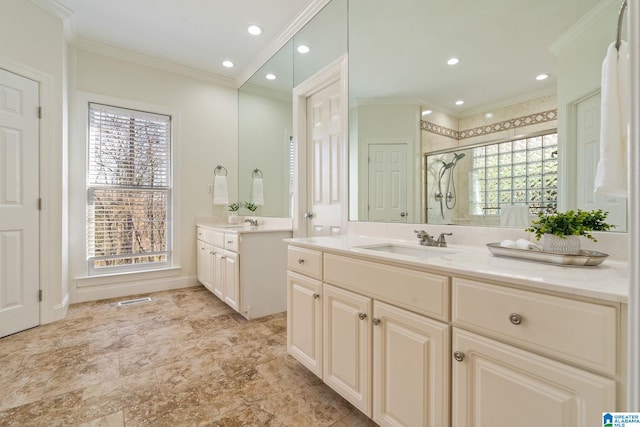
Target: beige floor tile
column 184, row 359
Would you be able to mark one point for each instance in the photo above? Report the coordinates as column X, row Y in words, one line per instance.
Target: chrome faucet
column 425, row 239
column 252, row 222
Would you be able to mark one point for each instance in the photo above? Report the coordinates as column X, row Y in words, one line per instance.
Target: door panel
column 588, row 155
column 388, row 182
column 326, row 162
column 19, row 192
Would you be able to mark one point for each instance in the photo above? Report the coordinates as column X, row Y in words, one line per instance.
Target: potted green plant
column 233, row 215
column 252, row 207
column 560, row 232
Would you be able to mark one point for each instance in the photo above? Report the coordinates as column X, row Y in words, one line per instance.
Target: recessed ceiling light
column 227, row 64
column 254, row 30
column 488, row 115
column 270, row 76
column 304, row 48
column 427, row 112
column 459, row 102
column 453, row 61
column 542, row 76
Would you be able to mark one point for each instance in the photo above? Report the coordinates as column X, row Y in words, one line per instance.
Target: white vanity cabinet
column 536, row 358
column 389, row 362
column 413, row 346
column 255, row 286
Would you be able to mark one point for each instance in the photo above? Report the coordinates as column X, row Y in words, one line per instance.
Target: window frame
column 170, row 251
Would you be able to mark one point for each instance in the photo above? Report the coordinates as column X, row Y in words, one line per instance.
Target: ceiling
column 198, row 34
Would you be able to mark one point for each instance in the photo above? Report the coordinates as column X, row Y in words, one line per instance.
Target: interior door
column 588, row 155
column 388, row 182
column 19, row 193
column 326, row 162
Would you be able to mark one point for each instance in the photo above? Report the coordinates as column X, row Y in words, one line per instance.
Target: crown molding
column 160, row 64
column 584, row 24
column 54, row 8
column 296, row 25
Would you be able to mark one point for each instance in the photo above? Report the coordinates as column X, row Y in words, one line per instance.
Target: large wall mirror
column 511, row 128
column 266, row 153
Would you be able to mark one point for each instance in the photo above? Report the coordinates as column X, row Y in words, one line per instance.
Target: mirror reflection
column 460, row 112
column 266, row 149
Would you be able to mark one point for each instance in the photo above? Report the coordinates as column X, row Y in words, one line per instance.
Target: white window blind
column 129, row 189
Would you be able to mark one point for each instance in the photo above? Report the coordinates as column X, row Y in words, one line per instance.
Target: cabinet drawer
column 231, row 241
column 418, row 291
column 215, row 238
column 305, row 261
column 200, row 233
column 576, row 331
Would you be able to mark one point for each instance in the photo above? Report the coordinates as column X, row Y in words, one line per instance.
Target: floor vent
column 133, row 302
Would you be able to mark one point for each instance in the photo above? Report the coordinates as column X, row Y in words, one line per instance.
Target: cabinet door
column 410, row 368
column 217, row 272
column 202, row 255
column 304, row 321
column 498, row 385
column 346, row 330
column 232, row 279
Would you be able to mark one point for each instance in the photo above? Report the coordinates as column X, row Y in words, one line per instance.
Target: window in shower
column 518, row 172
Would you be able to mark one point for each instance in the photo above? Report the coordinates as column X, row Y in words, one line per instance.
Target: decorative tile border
column 531, row 119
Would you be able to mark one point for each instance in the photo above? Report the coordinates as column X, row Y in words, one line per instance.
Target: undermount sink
column 421, row 252
column 238, row 227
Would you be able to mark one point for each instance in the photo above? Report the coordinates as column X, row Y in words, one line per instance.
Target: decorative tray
column 583, row 258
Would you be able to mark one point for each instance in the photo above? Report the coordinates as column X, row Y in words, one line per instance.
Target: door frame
column 335, row 71
column 51, row 227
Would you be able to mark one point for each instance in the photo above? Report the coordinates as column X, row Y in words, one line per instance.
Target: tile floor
column 184, row 359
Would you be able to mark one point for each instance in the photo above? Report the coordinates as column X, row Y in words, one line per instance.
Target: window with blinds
column 129, row 190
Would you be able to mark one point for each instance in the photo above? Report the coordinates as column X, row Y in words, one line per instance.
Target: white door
column 326, row 162
column 346, row 346
column 388, row 182
column 304, row 321
column 588, row 155
column 410, row 369
column 498, row 385
column 19, row 193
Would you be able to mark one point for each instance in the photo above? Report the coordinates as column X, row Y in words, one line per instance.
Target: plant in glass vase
column 233, row 212
column 250, row 206
column 560, row 232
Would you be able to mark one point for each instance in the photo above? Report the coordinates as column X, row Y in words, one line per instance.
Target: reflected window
column 518, row 172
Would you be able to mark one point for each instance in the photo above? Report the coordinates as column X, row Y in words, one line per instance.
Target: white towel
column 220, row 190
column 611, row 174
column 257, row 192
column 514, row 216
column 525, row 244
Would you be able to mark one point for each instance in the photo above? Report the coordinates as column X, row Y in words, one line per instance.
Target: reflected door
column 19, row 192
column 325, row 161
column 588, row 155
column 388, row 182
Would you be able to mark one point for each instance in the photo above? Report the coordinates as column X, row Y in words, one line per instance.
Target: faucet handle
column 420, row 233
column 441, row 238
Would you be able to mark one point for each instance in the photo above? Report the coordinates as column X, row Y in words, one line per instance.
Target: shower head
column 457, row 157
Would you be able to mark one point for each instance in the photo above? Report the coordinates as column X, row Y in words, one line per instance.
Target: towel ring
column 219, row 168
column 257, row 173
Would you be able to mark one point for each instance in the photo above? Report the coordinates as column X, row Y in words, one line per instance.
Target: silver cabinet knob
column 300, row 260
column 515, row 318
column 316, row 295
column 459, row 356
column 376, row 321
column 229, row 242
column 362, row 316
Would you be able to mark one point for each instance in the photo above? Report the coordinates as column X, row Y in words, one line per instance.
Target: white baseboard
column 123, row 289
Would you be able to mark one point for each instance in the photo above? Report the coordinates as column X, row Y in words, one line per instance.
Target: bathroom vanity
column 421, row 336
column 244, row 266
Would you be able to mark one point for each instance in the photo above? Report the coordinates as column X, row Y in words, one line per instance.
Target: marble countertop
column 609, row 281
column 243, row 228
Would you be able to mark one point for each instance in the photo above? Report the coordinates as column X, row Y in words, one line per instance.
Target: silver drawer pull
column 300, row 260
column 376, row 321
column 459, row 356
column 362, row 316
column 515, row 318
column 316, row 295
